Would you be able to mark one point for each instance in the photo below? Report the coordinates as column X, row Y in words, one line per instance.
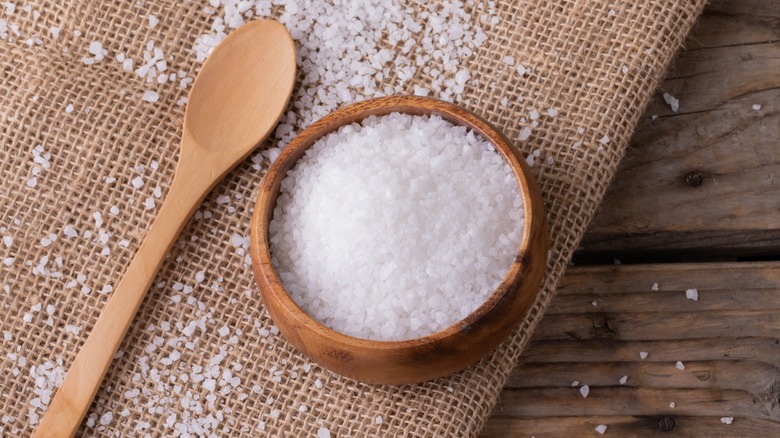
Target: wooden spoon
column 234, row 104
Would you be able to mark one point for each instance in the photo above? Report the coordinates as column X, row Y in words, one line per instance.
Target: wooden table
column 696, row 205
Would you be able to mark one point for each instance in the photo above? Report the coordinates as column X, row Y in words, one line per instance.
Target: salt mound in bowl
column 426, row 329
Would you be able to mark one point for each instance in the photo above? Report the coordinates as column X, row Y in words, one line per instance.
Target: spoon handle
column 74, row 396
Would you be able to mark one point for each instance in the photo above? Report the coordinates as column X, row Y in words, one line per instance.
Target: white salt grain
column 654, row 287
column 150, row 96
column 756, row 107
column 672, row 102
column 584, row 391
column 672, row 404
column 524, row 134
column 508, row 60
column 727, row 420
column 378, row 419
column 323, row 432
column 643, row 355
column 692, row 294
column 106, row 418
column 153, row 21
column 137, row 182
column 69, row 108
column 521, row 70
column 623, row 380
column 439, row 219
column 601, row 428
column 604, row 139
column 680, row 365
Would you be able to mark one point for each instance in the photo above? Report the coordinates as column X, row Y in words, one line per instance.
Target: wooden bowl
column 438, row 354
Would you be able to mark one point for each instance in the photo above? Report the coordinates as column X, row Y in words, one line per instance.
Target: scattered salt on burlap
column 177, row 369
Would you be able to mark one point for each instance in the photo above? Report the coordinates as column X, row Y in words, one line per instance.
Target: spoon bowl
column 234, row 104
column 427, row 357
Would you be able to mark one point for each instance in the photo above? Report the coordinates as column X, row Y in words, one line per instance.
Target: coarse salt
column 727, row 420
column 673, row 103
column 437, row 244
column 150, row 96
column 692, row 294
column 601, row 428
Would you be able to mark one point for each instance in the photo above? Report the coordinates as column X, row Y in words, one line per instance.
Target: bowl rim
column 415, row 105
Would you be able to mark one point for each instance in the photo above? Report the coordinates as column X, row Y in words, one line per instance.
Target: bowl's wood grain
column 435, row 355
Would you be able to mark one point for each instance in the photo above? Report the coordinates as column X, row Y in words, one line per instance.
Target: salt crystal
column 757, row 107
column 654, row 287
column 106, row 418
column 552, row 112
column 150, row 96
column 672, row 404
column 643, row 355
column 137, row 182
column 672, row 102
column 106, row 289
column 584, row 391
column 624, row 69
column 69, row 108
column 524, row 134
column 149, row 203
column 604, row 139
column 680, row 365
column 69, row 231
column 601, row 428
column 323, row 432
column 727, row 420
column 508, row 60
column 224, row 331
column 303, row 408
column 153, row 21
column 98, row 219
column 521, row 70
column 623, row 380
column 692, row 294
column 378, row 419
column 200, row 276
column 8, row 241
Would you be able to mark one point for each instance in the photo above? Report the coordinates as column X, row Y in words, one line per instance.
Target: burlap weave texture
column 577, row 51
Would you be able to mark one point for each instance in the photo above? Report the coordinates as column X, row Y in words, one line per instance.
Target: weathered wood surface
column 731, row 62
column 727, row 208
column 728, row 342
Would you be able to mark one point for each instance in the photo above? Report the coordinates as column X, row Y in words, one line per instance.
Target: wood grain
column 728, row 341
column 728, row 206
column 428, row 357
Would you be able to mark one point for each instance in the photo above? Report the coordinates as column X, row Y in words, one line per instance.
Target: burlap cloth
column 577, row 49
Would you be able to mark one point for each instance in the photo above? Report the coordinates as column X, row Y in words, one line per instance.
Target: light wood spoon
column 234, row 104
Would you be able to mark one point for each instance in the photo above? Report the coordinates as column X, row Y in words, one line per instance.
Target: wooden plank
column 622, row 426
column 728, row 342
column 728, row 206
